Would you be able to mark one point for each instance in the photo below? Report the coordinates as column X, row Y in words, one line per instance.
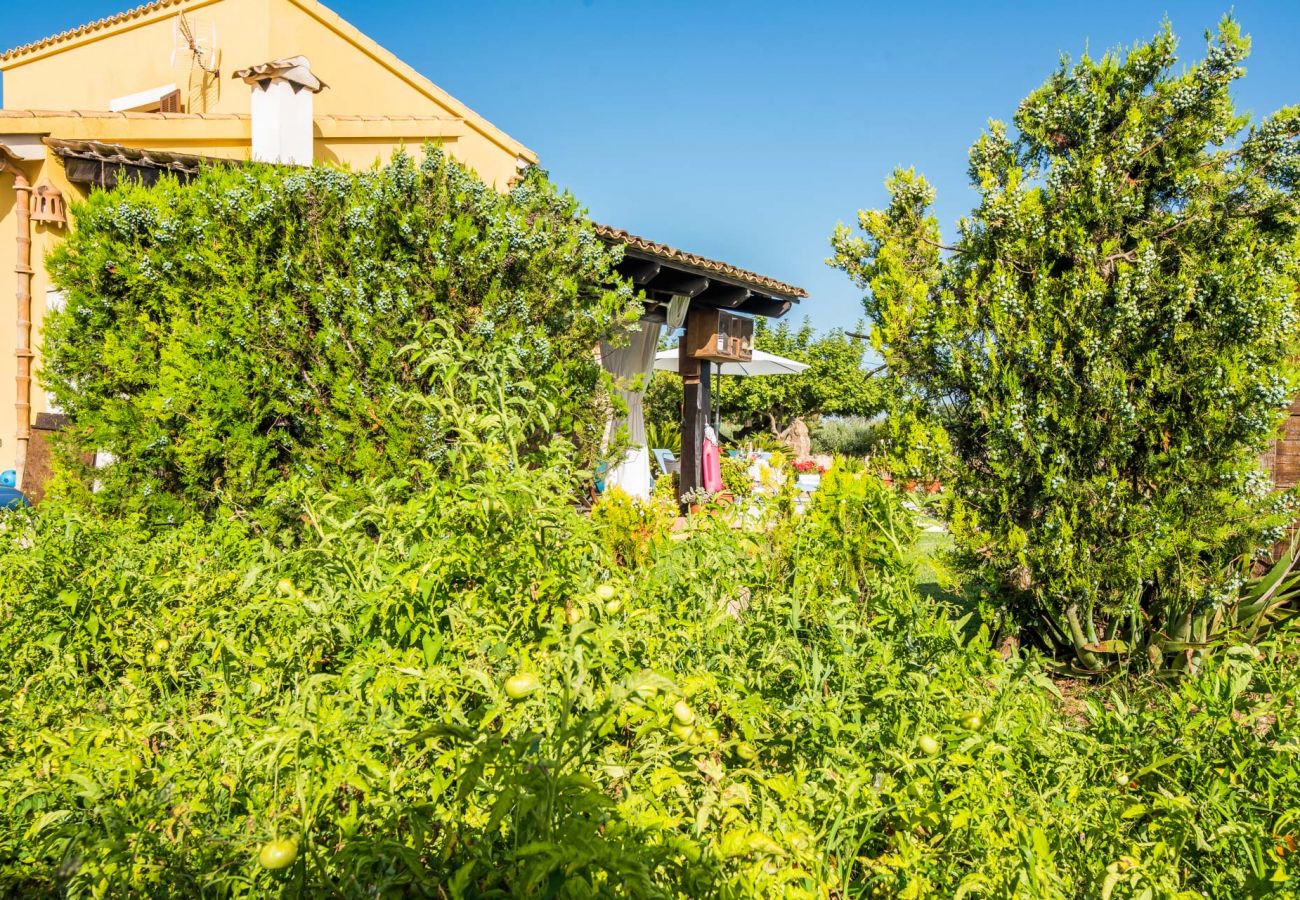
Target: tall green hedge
column 263, row 323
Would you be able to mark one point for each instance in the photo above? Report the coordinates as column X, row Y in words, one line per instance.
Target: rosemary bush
column 1107, row 348
column 222, row 336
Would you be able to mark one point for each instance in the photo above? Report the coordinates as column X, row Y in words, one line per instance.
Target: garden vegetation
column 459, row 691
column 395, row 659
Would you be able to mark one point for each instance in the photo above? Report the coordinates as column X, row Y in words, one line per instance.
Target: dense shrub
column 254, row 325
column 629, row 527
column 1107, row 348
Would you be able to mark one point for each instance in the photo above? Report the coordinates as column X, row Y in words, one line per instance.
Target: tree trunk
column 798, row 439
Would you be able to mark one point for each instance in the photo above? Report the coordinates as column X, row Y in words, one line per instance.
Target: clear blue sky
column 745, row 130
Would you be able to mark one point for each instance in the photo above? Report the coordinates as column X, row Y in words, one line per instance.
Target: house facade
column 174, row 84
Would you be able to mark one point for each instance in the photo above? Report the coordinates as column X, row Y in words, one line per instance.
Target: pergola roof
column 657, row 269
column 638, row 247
column 98, row 163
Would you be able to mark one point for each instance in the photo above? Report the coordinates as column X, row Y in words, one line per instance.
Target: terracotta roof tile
column 133, row 156
column 105, row 22
column 672, row 254
column 226, row 117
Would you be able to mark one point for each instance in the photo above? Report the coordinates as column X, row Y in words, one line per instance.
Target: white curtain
column 677, row 307
column 627, row 363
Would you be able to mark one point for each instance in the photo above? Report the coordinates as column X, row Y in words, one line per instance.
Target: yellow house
column 174, row 82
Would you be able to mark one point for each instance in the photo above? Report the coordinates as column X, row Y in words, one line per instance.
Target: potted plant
column 696, row 500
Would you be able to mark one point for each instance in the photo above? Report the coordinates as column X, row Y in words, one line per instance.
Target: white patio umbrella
column 761, row 364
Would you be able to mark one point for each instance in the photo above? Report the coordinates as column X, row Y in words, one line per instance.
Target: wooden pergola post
column 695, row 412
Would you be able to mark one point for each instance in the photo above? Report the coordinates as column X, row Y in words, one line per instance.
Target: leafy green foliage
column 222, row 336
column 176, row 698
column 629, row 527
column 665, row 435
column 470, row 689
column 735, row 477
column 1106, row 351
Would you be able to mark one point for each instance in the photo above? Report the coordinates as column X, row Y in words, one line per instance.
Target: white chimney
column 282, row 110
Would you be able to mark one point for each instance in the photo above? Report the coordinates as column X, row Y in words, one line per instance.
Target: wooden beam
column 672, row 277
column 640, row 271
column 770, row 307
column 670, row 282
column 724, row 296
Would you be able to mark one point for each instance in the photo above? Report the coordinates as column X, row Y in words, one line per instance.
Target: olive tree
column 837, row 381
column 1106, row 345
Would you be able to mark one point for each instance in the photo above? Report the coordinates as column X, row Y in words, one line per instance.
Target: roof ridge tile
column 96, row 25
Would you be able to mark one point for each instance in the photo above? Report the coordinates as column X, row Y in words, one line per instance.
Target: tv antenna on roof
column 198, row 41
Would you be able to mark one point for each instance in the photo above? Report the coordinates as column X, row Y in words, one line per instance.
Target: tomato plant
column 350, row 684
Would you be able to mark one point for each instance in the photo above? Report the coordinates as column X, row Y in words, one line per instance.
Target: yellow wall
column 8, row 364
column 373, row 104
column 89, row 71
column 44, row 238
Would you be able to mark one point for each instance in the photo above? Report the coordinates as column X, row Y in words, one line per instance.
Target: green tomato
column 746, row 751
column 613, row 606
column 682, row 732
column 605, row 591
column 708, row 735
column 286, row 587
column 683, row 713
column 521, row 684
column 152, row 659
column 573, row 615
column 972, row 721
column 278, row 854
column 929, row 746
column 162, row 645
